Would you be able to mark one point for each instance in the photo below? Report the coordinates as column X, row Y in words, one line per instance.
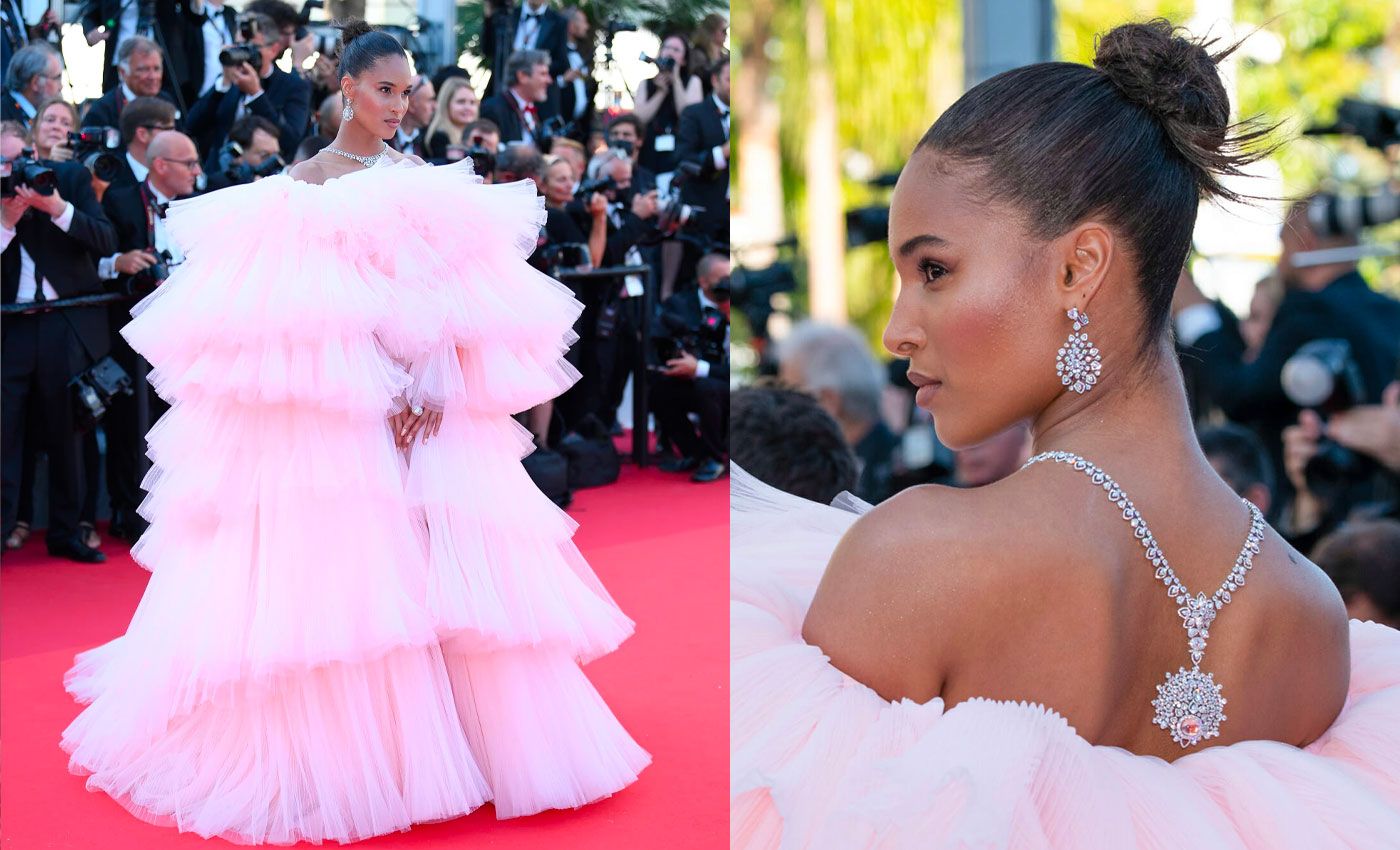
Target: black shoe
column 128, row 526
column 710, row 470
column 73, row 549
column 678, row 464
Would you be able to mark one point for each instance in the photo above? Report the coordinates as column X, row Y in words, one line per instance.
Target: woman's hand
column 60, row 153
column 407, row 426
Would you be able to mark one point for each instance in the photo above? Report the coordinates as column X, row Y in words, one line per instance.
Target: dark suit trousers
column 40, row 354
column 673, row 398
column 126, row 440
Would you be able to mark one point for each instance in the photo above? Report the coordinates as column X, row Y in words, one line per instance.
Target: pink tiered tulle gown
column 338, row 641
column 819, row 760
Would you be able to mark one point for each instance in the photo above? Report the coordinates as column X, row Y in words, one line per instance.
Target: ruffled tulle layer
column 336, row 643
column 819, row 760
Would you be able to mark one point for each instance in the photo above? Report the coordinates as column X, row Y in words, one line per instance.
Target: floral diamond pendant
column 1189, row 706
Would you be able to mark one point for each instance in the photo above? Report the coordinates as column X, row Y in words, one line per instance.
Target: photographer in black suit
column 144, row 255
column 520, row 111
column 268, row 92
column 577, row 88
column 696, row 381
column 51, row 246
column 533, row 25
column 704, row 139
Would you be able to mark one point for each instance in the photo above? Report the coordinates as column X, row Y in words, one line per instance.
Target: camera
column 95, row 148
column 29, row 172
column 564, row 256
column 1324, row 376
column 664, row 64
column 1341, row 215
column 672, row 214
column 247, row 29
column 601, row 185
column 304, row 17
column 706, row 343
column 622, row 146
column 146, row 280
column 552, row 127
column 242, row 172
column 237, row 54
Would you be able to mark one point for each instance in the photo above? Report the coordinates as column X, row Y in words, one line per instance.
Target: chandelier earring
column 1079, row 362
column 348, row 113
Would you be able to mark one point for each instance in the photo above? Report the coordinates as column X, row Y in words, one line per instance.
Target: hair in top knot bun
column 1137, row 141
column 1173, row 76
column 361, row 45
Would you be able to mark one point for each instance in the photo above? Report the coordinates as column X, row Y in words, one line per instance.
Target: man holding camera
column 704, row 139
column 696, row 381
column 535, row 26
column 522, row 110
column 144, row 256
column 53, row 230
column 252, row 85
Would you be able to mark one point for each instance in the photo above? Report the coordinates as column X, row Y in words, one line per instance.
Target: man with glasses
column 142, row 73
column 35, row 75
column 142, row 120
column 138, row 213
column 267, row 92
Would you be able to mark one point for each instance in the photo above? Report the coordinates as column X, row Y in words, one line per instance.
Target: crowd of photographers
column 199, row 96
column 1297, row 407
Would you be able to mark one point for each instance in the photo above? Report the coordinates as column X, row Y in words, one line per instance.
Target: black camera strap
column 152, row 209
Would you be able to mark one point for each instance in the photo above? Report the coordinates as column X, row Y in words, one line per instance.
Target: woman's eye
column 931, row 271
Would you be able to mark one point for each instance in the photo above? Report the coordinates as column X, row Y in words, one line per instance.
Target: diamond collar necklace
column 1189, row 704
column 366, row 161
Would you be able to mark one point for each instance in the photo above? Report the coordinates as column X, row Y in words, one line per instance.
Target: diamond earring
column 349, row 111
column 1079, row 362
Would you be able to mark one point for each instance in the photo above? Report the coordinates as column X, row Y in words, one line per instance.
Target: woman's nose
column 903, row 336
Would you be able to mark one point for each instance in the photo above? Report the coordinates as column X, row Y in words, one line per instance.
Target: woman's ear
column 1087, row 253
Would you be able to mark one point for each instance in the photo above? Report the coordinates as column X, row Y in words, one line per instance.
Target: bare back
column 1034, row 588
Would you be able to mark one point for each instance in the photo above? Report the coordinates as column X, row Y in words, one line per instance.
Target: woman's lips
column 927, row 387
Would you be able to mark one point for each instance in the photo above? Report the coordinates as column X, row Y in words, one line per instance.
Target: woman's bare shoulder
column 308, row 171
column 397, row 156
column 904, row 579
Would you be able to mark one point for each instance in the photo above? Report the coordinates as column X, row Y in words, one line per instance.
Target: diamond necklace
column 366, row 161
column 1188, row 704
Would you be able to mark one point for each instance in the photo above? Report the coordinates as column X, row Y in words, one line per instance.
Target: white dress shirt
column 718, row 150
column 527, row 119
column 576, row 63
column 63, row 221
column 216, row 35
column 137, row 167
column 527, row 29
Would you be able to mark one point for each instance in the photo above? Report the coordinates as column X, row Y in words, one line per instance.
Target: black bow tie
column 159, row 208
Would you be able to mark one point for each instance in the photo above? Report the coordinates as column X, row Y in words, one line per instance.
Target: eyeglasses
column 191, row 164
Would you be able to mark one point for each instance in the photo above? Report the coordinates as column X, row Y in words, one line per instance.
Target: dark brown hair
column 1140, row 139
column 361, row 45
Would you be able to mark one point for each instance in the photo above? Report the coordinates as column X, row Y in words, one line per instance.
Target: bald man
column 145, row 254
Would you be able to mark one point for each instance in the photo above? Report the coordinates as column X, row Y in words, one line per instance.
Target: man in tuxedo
column 141, row 72
column 141, row 121
column 35, row 75
column 577, row 88
column 51, row 245
column 194, row 32
column 268, row 92
column 138, row 213
column 535, row 26
column 689, row 384
column 520, row 112
column 704, row 139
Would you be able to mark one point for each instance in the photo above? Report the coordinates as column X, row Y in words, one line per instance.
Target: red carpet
column 659, row 543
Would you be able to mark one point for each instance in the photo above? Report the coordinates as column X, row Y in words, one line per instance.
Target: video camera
column 29, row 172
column 95, row 148
column 1339, row 215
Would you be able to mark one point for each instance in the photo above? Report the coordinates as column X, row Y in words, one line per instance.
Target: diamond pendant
column 1189, row 706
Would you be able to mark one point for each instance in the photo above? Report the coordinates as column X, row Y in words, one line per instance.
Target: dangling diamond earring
column 1079, row 362
column 349, row 111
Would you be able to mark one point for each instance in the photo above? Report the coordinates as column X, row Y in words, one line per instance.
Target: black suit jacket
column 183, row 31
column 682, row 310
column 553, row 39
column 10, row 111
column 500, row 109
column 67, row 260
column 701, row 130
column 285, row 101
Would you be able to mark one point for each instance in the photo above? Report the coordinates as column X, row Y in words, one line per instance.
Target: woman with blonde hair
column 457, row 106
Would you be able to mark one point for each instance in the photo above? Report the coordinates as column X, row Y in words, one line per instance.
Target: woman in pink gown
column 1021, row 665
column 362, row 614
